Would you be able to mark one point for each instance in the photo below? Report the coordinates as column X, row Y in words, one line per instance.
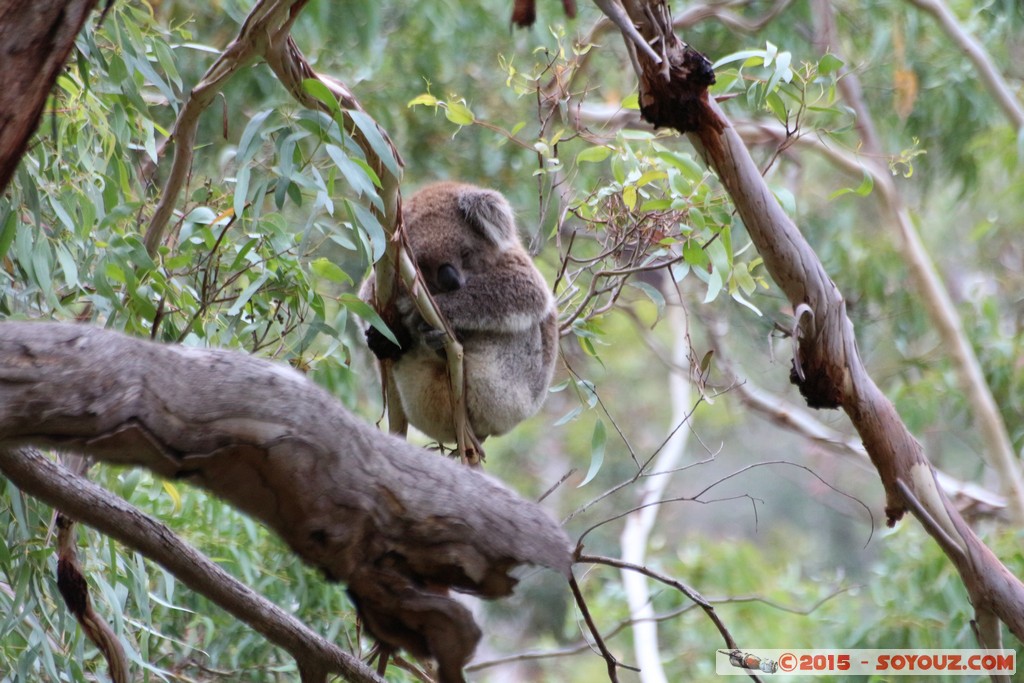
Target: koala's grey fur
column 465, row 243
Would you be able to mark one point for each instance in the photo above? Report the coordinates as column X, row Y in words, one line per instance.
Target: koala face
column 455, row 230
column 483, row 281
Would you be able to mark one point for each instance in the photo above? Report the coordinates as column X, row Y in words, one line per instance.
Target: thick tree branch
column 395, row 523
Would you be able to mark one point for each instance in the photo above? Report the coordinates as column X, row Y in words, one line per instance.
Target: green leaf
column 367, row 313
column 329, row 270
column 867, row 183
column 629, row 196
column 247, row 143
column 247, row 293
column 777, row 106
column 632, row 102
column 355, row 174
column 782, row 71
column 426, row 100
column 746, row 56
column 68, row 266
column 738, row 298
column 829, row 64
column 694, row 255
column 42, row 260
column 741, row 276
column 594, row 154
column 653, row 293
column 598, row 441
column 459, row 114
column 370, row 226
column 316, row 88
column 714, row 285
column 8, row 231
column 368, row 127
column 686, row 164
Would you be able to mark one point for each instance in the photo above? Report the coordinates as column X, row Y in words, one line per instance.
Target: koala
column 465, row 242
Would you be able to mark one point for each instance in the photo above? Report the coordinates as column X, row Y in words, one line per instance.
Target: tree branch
column 1001, row 92
column 935, row 297
column 90, row 504
column 394, row 523
column 801, row 422
column 266, row 18
column 834, row 375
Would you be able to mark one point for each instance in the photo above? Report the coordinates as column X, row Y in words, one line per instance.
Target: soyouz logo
column 859, row 662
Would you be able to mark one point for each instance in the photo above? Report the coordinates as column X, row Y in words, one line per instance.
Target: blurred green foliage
column 273, row 232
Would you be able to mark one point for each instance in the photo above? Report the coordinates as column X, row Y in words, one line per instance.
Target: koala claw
column 381, row 346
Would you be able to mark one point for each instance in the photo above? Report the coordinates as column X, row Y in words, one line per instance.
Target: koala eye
column 448, row 278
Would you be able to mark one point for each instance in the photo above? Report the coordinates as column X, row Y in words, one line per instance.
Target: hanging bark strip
column 75, row 591
column 827, row 367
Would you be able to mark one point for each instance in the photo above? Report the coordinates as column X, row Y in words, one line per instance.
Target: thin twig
column 609, row 658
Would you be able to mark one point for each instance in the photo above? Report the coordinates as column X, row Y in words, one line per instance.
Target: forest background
column 772, row 511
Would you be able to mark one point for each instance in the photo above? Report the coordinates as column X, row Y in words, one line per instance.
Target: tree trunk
column 35, row 39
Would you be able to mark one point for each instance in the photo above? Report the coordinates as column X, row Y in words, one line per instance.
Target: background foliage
column 273, row 235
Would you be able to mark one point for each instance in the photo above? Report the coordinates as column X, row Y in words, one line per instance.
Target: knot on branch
column 816, row 386
column 421, row 620
column 679, row 100
column 811, row 369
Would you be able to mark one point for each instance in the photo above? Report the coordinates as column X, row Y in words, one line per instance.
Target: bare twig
column 609, row 658
column 689, row 592
column 613, row 10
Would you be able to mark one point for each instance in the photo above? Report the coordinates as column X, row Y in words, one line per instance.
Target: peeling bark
column 399, row 525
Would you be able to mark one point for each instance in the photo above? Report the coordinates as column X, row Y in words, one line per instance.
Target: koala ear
column 490, row 214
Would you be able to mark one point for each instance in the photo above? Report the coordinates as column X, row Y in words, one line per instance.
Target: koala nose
column 449, row 278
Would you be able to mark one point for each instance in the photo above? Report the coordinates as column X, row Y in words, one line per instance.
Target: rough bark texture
column 828, row 368
column 399, row 525
column 35, row 39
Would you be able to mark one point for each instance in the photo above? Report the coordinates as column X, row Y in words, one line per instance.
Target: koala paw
column 382, row 347
column 434, row 339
